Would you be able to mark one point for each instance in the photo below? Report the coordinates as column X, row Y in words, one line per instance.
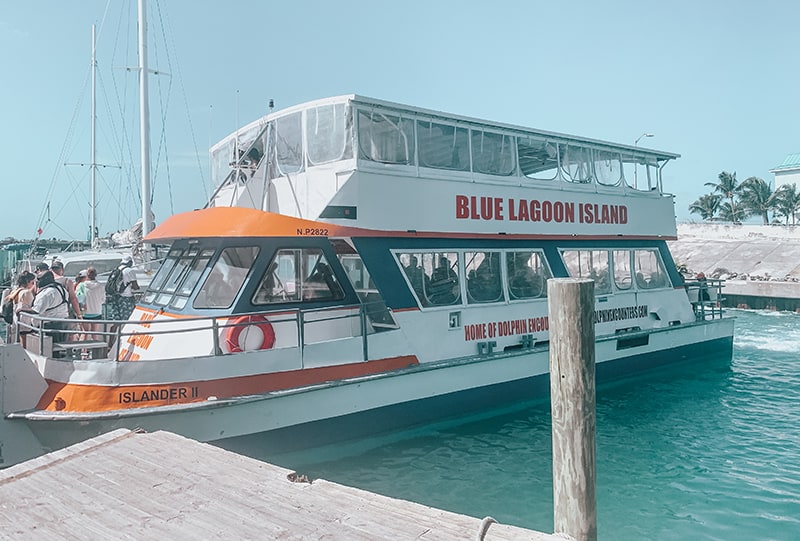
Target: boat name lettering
column 617, row 314
column 151, row 395
column 312, row 232
column 480, row 331
column 533, row 210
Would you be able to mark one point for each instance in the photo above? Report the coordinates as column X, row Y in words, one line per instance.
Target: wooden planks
column 128, row 485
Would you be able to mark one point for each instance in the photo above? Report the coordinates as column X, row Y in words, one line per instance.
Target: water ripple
column 694, row 452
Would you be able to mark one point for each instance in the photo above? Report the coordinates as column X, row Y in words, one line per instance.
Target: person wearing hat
column 121, row 305
column 41, row 267
column 51, row 301
column 80, row 290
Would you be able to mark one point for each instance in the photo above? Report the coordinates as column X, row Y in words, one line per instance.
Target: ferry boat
column 366, row 265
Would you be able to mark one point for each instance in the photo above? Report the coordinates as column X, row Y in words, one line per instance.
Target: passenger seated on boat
column 658, row 280
column 484, row 284
column 216, row 292
column 526, row 283
column 601, row 282
column 273, row 288
column 641, row 283
column 444, row 284
column 253, row 157
column 418, row 279
column 322, row 284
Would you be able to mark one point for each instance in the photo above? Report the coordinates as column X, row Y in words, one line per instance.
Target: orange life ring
column 238, row 326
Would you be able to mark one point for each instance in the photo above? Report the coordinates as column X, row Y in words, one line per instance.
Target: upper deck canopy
column 368, row 130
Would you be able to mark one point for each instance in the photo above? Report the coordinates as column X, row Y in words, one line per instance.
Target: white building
column 788, row 172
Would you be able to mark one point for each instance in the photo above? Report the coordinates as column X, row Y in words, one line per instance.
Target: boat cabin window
column 589, row 264
column 641, row 173
column 386, row 138
column 649, row 270
column 493, row 153
column 378, row 313
column 607, row 167
column 484, row 277
column 621, row 260
column 226, row 277
column 433, row 277
column 538, row 159
column 527, row 275
column 289, row 144
column 577, row 164
column 328, row 133
column 296, row 274
column 357, row 273
column 443, row 146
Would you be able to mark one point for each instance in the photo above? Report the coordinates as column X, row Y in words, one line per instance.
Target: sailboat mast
column 93, row 163
column 144, row 119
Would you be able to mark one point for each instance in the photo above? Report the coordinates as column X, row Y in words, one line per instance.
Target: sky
column 714, row 81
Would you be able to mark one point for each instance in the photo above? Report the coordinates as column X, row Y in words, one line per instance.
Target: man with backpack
column 57, row 267
column 119, row 291
column 51, row 301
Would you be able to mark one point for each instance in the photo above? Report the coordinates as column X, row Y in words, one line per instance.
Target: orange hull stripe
column 73, row 397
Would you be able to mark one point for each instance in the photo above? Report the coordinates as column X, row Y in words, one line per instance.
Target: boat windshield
column 296, row 274
column 184, row 267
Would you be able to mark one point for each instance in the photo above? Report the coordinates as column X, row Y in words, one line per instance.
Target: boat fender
column 241, row 324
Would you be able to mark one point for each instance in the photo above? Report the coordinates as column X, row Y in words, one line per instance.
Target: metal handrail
column 708, row 304
column 35, row 323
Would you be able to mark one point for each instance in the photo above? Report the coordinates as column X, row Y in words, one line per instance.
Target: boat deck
column 134, row 485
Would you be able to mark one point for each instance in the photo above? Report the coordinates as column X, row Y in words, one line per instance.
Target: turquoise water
column 692, row 452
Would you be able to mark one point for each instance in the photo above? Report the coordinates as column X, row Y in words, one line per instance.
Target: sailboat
column 106, row 253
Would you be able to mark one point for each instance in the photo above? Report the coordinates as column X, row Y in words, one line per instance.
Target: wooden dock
column 129, row 485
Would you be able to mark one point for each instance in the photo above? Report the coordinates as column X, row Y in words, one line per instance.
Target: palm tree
column 756, row 198
column 727, row 187
column 787, row 202
column 706, row 206
column 728, row 214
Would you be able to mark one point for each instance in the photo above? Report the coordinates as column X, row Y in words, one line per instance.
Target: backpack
column 8, row 310
column 115, row 284
column 62, row 291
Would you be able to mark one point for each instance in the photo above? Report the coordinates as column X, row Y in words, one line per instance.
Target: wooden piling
column 572, row 399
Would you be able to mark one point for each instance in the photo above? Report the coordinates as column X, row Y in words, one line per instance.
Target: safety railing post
column 301, row 336
column 362, row 314
column 215, row 336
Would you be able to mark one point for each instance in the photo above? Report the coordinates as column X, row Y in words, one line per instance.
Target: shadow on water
column 691, row 451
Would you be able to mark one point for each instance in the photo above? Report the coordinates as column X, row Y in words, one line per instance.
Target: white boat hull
column 354, row 407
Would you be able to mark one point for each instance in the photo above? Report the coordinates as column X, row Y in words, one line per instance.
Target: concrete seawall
column 761, row 264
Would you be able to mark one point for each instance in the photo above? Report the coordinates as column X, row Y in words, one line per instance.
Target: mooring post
column 572, row 402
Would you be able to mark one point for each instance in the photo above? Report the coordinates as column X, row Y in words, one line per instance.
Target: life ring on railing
column 245, row 324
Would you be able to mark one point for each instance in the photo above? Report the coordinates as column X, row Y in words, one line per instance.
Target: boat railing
column 706, row 298
column 72, row 339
